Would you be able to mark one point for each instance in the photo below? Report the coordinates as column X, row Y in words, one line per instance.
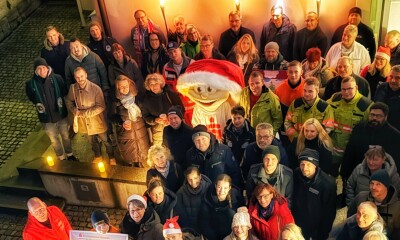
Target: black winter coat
column 305, row 39
column 189, row 203
column 179, row 141
column 333, row 86
column 218, row 159
column 238, row 141
column 392, row 98
column 174, row 178
column 314, row 204
column 149, row 228
column 166, row 208
column 215, row 217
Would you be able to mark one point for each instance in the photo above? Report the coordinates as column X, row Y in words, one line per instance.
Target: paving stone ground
column 17, row 115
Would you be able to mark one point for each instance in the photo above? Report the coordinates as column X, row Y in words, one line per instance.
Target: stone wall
column 13, row 13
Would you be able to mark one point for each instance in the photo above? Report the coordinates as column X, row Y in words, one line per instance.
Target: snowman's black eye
column 198, row 89
column 209, row 89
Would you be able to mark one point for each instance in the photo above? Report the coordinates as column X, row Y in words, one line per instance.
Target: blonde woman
column 374, row 235
column 313, row 135
column 377, row 72
column 161, row 164
column 291, row 232
column 192, row 46
column 132, row 138
column 158, row 98
column 245, row 54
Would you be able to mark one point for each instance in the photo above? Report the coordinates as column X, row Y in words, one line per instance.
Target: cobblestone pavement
column 17, row 115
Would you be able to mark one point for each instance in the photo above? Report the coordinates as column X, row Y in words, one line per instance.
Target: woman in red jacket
column 269, row 212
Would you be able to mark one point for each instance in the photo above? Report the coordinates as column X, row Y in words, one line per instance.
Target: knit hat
column 175, row 110
column 200, row 130
column 271, row 149
column 241, row 218
column 381, row 176
column 137, row 197
column 172, row 45
column 272, row 45
column 310, row 155
column 356, row 10
column 171, row 226
column 219, row 74
column 383, row 52
column 39, row 62
column 98, row 216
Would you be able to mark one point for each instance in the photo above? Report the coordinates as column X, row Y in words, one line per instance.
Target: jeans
column 53, row 131
column 96, row 140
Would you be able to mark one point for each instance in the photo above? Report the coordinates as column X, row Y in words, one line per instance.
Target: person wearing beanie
column 385, row 196
column 177, row 136
column 100, row 44
column 365, row 34
column 272, row 58
column 101, row 223
column 241, row 226
column 141, row 221
column 378, row 71
column 55, row 50
column 314, row 208
column 279, row 29
column 211, row 157
column 47, row 90
column 270, row 171
column 309, row 37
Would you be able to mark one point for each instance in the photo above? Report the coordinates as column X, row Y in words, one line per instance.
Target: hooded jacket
column 238, row 141
column 149, row 227
column 360, row 178
column 266, row 109
column 215, row 217
column 48, row 96
column 216, row 160
column 284, row 36
column 56, row 55
column 59, row 230
column 94, row 66
column 281, row 180
column 189, row 203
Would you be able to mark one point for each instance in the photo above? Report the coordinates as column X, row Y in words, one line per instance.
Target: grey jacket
column 360, row 178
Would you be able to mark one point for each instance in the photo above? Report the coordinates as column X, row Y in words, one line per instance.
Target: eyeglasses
column 136, row 210
column 346, row 89
column 264, row 196
column 38, row 211
column 265, row 137
column 373, row 115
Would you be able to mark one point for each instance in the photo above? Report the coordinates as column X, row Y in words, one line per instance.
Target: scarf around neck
column 128, row 101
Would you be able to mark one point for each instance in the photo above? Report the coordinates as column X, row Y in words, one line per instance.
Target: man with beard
column 375, row 132
column 253, row 152
column 389, row 93
column 272, row 59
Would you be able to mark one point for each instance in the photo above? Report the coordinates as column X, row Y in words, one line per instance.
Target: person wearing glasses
column 192, row 45
column 279, row 29
column 314, row 194
column 45, row 222
column 269, row 212
column 141, row 221
column 207, row 49
column 309, row 37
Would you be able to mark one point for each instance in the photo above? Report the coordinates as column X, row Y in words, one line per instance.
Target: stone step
column 10, row 202
column 24, row 183
column 31, row 167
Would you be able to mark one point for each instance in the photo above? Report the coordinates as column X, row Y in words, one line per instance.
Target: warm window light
column 101, row 167
column 50, row 161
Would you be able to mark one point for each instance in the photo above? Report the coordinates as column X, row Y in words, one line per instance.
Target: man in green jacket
column 260, row 103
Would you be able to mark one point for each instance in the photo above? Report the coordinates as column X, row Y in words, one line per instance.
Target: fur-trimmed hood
column 47, row 44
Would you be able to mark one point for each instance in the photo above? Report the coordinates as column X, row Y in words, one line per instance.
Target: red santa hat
column 171, row 226
column 219, row 74
column 383, row 52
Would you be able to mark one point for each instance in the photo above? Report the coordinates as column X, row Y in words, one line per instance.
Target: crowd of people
column 271, row 175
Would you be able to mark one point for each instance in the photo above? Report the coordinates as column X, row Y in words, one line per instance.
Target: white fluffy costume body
column 213, row 85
